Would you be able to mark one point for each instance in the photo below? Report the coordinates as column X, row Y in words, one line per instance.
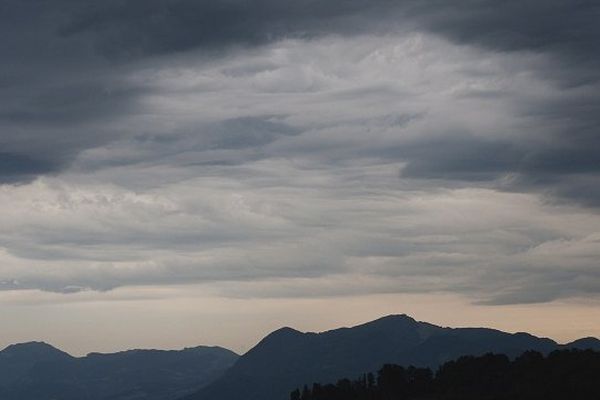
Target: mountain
column 39, row 371
column 283, row 360
column 18, row 359
column 590, row 343
column 287, row 358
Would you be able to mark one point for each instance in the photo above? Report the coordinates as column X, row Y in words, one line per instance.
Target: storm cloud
column 417, row 146
column 64, row 62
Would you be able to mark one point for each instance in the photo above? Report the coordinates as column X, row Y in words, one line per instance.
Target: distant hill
column 17, row 360
column 588, row 343
column 38, row 371
column 287, row 358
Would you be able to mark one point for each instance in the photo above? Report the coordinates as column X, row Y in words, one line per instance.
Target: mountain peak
column 397, row 317
column 283, row 333
column 285, row 330
column 392, row 320
column 36, row 349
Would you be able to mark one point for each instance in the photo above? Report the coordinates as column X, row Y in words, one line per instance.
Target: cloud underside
column 311, row 149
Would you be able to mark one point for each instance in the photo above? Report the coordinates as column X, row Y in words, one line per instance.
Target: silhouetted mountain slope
column 584, row 344
column 287, row 358
column 18, row 359
column 38, row 371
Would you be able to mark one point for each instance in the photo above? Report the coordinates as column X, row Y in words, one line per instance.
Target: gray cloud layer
column 65, row 61
column 213, row 141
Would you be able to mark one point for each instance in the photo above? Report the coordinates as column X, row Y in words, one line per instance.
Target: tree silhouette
column 564, row 375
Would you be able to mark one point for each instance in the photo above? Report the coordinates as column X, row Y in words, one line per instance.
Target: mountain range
column 287, row 358
column 38, row 371
column 283, row 360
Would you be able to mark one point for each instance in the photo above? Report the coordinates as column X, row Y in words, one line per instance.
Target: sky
column 177, row 172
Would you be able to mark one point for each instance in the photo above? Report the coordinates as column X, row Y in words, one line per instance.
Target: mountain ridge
column 284, row 359
column 287, row 358
column 37, row 370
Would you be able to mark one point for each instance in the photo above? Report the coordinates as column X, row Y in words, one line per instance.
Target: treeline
column 565, row 375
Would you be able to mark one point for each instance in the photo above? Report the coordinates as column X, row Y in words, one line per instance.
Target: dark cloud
column 459, row 157
column 564, row 163
column 246, row 132
column 563, row 169
column 17, row 167
column 135, row 28
column 63, row 61
column 45, row 129
column 518, row 25
column 157, row 26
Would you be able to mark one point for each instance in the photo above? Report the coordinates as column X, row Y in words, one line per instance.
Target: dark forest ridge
column 563, row 374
